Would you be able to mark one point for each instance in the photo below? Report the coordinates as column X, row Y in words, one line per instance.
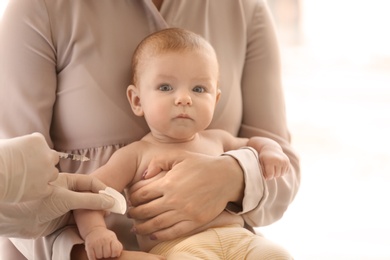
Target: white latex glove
column 41, row 217
column 27, row 164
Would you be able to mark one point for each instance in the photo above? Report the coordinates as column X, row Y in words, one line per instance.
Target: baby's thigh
column 204, row 245
column 261, row 248
column 183, row 256
column 240, row 243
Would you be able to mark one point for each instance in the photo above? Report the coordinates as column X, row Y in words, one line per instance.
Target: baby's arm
column 274, row 161
column 101, row 242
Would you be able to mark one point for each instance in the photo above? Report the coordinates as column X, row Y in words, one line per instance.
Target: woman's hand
column 27, row 165
column 32, row 219
column 194, row 191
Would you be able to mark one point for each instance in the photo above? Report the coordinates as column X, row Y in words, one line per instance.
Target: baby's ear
column 218, row 95
column 134, row 100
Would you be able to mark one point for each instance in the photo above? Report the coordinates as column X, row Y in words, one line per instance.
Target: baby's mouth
column 184, row 116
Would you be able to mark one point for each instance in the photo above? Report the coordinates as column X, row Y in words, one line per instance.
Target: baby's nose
column 184, row 100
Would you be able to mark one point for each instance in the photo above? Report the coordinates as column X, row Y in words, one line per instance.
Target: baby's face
column 178, row 93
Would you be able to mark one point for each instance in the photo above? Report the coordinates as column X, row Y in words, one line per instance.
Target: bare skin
column 79, row 253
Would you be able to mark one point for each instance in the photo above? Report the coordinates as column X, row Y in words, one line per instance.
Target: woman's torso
column 94, row 42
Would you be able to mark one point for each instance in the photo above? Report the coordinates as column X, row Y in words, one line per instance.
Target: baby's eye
column 199, row 89
column 165, row 87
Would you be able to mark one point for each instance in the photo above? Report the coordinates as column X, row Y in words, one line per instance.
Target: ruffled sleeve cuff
column 255, row 189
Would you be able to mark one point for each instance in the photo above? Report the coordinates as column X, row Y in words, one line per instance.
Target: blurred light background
column 2, row 6
column 336, row 75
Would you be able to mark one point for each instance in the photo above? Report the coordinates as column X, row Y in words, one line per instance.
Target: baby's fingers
column 115, row 249
column 269, row 172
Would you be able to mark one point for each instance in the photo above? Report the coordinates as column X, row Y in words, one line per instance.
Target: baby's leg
column 183, row 256
column 240, row 243
column 201, row 246
column 261, row 248
column 229, row 243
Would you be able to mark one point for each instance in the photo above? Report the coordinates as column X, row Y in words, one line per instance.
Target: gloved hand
column 43, row 216
column 27, row 164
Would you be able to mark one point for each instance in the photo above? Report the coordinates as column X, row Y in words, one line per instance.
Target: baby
column 175, row 88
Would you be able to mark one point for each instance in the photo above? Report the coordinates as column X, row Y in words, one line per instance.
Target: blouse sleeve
column 28, row 90
column 264, row 115
column 27, row 70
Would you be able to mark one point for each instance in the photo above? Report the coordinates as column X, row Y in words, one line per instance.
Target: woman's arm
column 264, row 115
column 273, row 162
column 27, row 70
column 27, row 85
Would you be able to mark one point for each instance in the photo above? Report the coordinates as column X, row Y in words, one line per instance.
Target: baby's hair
column 171, row 39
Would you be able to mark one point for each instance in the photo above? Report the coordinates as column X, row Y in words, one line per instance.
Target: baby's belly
column 225, row 218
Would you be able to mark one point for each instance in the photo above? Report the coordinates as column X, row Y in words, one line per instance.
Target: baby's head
column 164, row 41
column 174, row 75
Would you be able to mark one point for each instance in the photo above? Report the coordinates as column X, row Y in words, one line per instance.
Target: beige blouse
column 65, row 67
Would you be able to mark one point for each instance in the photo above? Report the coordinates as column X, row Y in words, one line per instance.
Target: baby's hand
column 274, row 162
column 102, row 243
